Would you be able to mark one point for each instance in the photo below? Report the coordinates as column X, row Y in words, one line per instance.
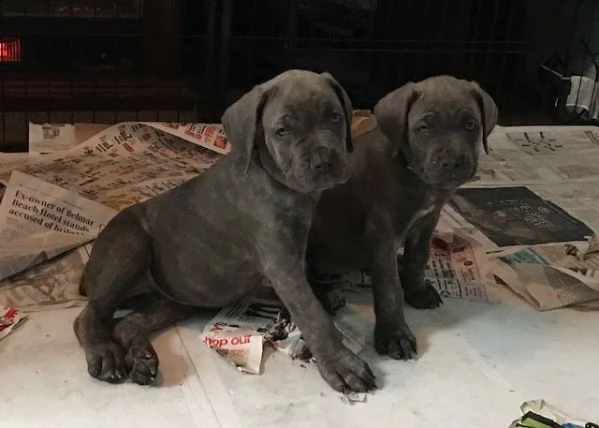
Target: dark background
column 107, row 61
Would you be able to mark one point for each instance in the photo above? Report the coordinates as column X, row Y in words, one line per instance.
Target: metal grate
column 177, row 60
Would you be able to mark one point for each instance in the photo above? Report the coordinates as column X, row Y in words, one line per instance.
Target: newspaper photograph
column 511, row 216
column 580, row 200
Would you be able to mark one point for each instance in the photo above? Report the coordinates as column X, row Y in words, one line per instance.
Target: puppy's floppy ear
column 241, row 121
column 488, row 112
column 391, row 114
column 347, row 108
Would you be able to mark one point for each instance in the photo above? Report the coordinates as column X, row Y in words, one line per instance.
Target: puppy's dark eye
column 422, row 129
column 471, row 125
column 336, row 117
column 283, row 132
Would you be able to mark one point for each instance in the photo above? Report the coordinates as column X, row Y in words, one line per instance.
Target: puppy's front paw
column 105, row 362
column 424, row 296
column 142, row 362
column 344, row 371
column 397, row 342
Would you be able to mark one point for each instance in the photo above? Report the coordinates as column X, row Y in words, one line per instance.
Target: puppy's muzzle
column 322, row 161
column 450, row 166
column 327, row 165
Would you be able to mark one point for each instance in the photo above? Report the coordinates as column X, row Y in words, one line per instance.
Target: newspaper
column 114, row 165
column 535, row 195
column 56, row 202
column 237, row 333
column 459, row 268
column 582, row 98
column 49, row 138
column 539, row 155
column 548, row 179
column 210, row 136
column 50, row 285
column 551, row 276
column 10, row 318
column 39, row 221
column 123, row 155
column 552, row 173
column 10, row 162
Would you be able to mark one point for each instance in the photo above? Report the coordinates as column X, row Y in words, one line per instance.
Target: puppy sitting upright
column 426, row 145
column 207, row 242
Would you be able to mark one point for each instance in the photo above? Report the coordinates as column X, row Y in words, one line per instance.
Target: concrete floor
column 477, row 364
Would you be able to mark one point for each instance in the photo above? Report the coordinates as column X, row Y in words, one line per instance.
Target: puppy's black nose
column 454, row 163
column 321, row 160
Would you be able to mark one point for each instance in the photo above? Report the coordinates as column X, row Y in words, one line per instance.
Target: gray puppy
column 207, row 242
column 403, row 172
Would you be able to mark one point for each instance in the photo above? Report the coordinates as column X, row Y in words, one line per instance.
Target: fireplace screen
column 185, row 60
column 72, row 8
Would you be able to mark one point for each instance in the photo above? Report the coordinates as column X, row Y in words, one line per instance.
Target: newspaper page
column 210, row 136
column 108, row 169
column 551, row 276
column 39, row 221
column 115, row 165
column 538, row 155
column 50, row 285
column 459, row 268
column 10, row 162
column 122, row 155
column 548, row 170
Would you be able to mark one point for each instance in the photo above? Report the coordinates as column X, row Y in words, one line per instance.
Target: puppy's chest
column 412, row 212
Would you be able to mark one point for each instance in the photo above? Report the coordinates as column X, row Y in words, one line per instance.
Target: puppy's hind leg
column 133, row 331
column 119, row 258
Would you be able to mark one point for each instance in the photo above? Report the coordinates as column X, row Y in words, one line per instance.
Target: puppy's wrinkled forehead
column 445, row 96
column 306, row 102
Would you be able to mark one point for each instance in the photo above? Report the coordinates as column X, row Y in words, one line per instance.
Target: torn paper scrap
column 350, row 398
column 10, row 318
column 240, row 347
column 238, row 332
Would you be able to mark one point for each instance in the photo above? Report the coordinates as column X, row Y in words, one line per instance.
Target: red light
column 10, row 50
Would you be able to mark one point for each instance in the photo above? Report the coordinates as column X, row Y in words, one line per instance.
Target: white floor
column 477, row 364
